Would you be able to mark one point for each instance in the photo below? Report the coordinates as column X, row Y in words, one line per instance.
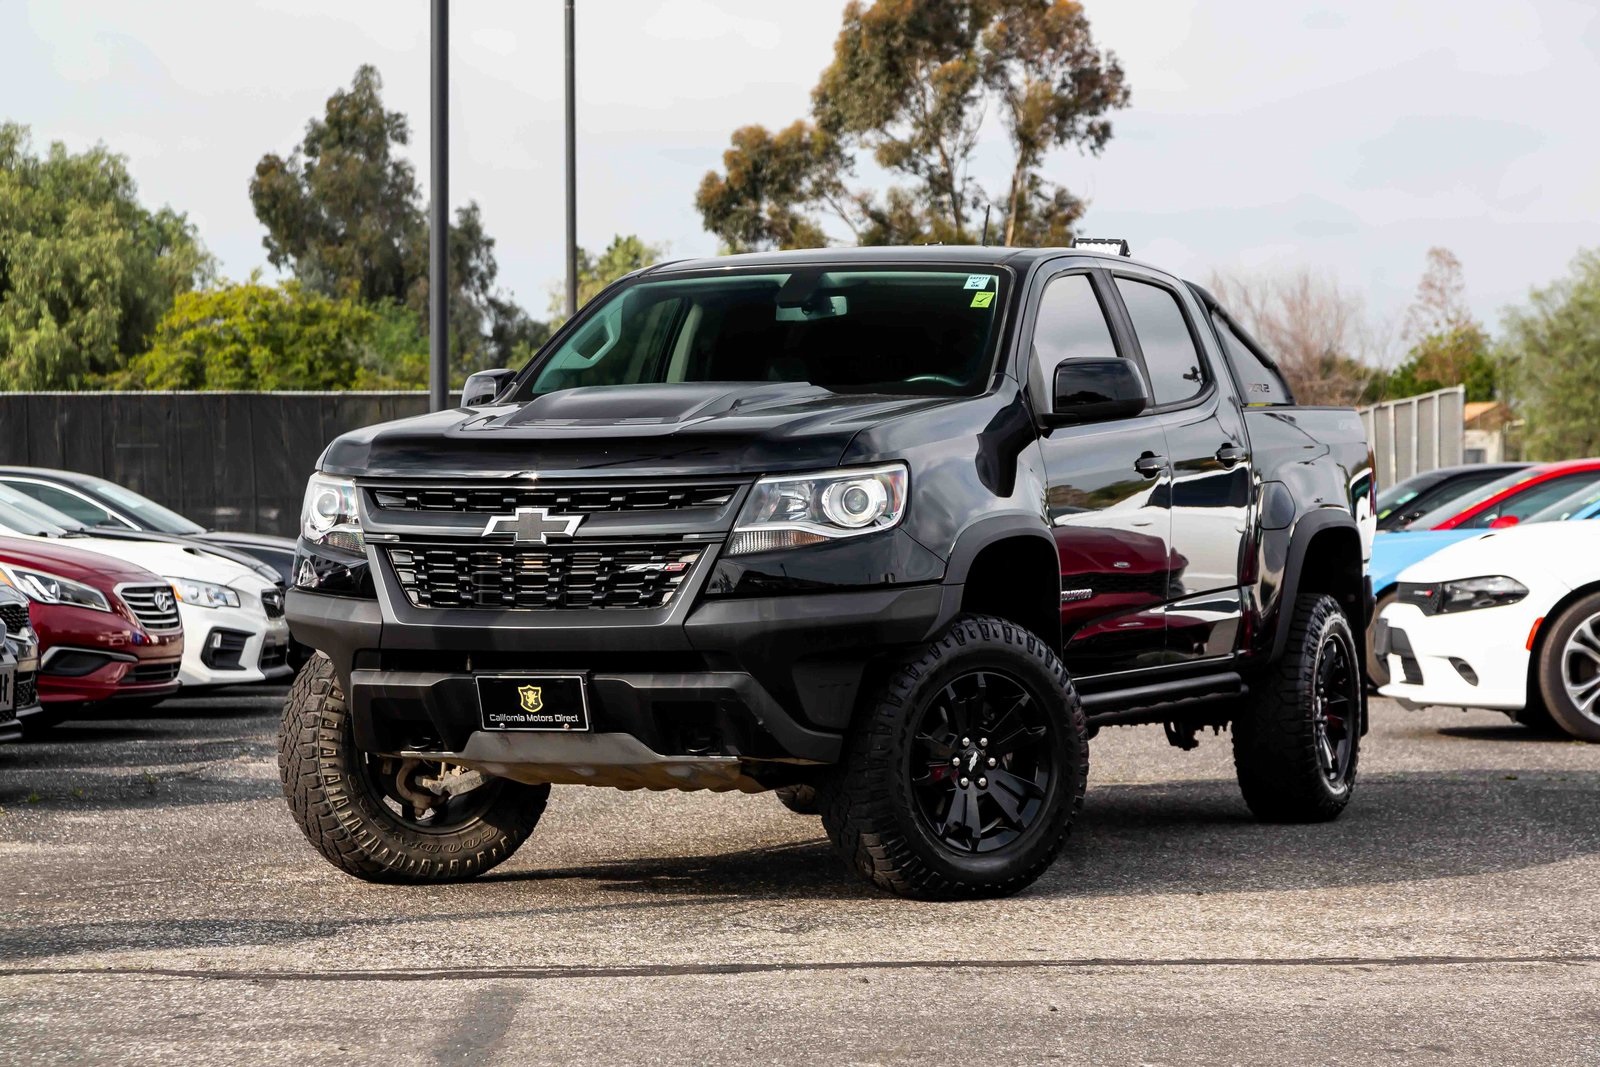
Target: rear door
column 1209, row 456
column 1107, row 492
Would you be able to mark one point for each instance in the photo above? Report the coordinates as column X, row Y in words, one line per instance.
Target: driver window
column 1071, row 325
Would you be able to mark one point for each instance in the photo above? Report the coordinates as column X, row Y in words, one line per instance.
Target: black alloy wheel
column 981, row 767
column 1335, row 706
column 964, row 769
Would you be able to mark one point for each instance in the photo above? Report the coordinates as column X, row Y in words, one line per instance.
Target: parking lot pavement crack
column 678, row 970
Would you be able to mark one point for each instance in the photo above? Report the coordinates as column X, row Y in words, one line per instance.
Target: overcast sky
column 1262, row 134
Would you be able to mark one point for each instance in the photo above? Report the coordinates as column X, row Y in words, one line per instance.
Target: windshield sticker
column 982, row 300
column 979, row 281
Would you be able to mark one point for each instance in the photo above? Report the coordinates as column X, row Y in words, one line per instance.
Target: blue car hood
column 1394, row 552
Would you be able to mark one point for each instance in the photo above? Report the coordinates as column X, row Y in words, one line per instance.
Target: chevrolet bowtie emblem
column 535, row 525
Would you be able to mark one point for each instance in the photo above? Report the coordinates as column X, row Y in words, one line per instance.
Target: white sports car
column 1508, row 621
column 234, row 629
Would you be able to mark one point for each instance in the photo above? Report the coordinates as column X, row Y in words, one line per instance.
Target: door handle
column 1230, row 454
column 1150, row 464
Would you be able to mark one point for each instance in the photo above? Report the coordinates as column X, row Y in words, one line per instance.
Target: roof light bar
column 1114, row 245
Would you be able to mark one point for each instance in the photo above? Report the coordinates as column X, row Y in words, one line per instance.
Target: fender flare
column 1304, row 532
column 973, row 539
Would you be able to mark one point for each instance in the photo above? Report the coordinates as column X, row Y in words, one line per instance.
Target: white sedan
column 1508, row 621
column 233, row 624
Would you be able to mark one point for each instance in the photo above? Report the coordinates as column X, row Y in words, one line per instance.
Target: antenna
column 984, row 240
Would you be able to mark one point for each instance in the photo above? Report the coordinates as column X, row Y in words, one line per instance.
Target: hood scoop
column 654, row 405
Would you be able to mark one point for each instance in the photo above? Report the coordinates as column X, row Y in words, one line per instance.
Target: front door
column 1108, row 486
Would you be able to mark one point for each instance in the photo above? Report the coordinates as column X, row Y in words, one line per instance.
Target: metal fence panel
column 235, row 461
column 1417, row 433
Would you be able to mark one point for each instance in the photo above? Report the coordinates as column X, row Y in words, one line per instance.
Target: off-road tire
column 800, row 799
column 1560, row 708
column 343, row 818
column 868, row 810
column 1275, row 748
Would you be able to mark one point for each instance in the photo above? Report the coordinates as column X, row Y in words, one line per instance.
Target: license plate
column 533, row 702
column 8, row 691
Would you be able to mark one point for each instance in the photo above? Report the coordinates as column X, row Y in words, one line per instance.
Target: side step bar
column 1161, row 701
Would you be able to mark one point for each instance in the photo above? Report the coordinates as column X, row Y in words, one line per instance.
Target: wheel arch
column 1324, row 557
column 1541, row 637
column 1008, row 566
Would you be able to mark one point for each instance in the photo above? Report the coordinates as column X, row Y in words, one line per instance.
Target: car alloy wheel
column 981, row 766
column 1580, row 668
column 1335, row 704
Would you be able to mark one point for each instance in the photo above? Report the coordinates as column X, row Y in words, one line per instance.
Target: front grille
column 620, row 575
column 272, row 603
column 273, row 656
column 26, row 690
column 154, row 672
column 493, row 499
column 153, row 605
column 15, row 616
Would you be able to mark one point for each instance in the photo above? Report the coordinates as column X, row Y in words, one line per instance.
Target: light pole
column 572, row 173
column 439, row 213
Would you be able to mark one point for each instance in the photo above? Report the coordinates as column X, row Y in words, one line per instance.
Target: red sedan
column 107, row 629
column 1508, row 500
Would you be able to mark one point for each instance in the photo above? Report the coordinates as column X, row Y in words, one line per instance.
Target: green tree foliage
column 1552, row 353
column 910, row 84
column 344, row 213
column 86, row 271
column 626, row 253
column 255, row 336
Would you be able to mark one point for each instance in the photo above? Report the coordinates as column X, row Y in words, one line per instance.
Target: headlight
column 803, row 509
column 49, row 589
column 329, row 516
column 1469, row 594
column 204, row 594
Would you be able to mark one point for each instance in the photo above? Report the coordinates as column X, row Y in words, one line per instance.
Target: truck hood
column 637, row 430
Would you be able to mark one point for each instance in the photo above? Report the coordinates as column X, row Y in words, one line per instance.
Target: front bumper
column 1472, row 659
column 232, row 646
column 689, row 697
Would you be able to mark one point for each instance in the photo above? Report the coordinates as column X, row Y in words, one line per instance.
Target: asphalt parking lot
column 159, row 904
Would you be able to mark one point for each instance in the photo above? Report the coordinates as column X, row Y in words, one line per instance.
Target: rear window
column 1260, row 383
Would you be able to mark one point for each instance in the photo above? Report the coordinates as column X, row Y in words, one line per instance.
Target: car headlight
column 48, row 588
column 1469, row 594
column 329, row 515
column 204, row 594
column 791, row 510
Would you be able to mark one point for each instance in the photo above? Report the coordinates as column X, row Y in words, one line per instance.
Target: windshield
column 149, row 514
column 1534, row 496
column 903, row 331
column 1568, row 506
column 21, row 514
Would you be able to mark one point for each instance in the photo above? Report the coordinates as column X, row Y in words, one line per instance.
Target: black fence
column 229, row 461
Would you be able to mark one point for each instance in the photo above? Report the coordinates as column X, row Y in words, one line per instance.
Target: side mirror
column 1093, row 390
column 1504, row 522
column 484, row 386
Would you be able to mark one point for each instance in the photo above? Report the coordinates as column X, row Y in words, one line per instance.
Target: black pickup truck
column 890, row 531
